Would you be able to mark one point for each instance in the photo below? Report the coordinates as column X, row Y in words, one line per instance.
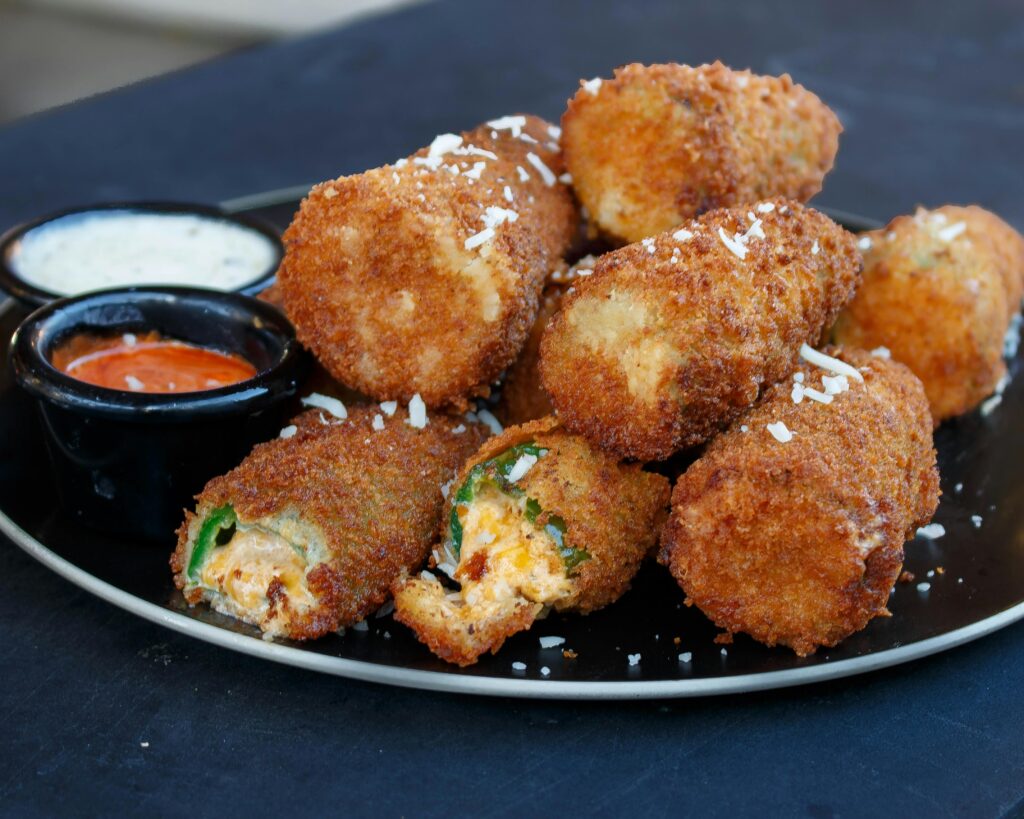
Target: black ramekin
column 128, row 462
column 35, row 297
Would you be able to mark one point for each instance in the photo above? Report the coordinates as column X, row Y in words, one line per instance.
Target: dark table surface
column 102, row 712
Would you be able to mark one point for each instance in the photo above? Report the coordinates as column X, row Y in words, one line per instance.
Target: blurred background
column 56, row 51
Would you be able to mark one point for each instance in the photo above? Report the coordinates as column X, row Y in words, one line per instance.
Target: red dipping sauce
column 148, row 363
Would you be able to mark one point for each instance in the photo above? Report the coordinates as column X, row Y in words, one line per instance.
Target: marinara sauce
column 148, row 363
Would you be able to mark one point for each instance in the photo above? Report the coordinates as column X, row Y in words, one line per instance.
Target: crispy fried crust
column 672, row 338
column 613, row 511
column 940, row 302
column 766, row 537
column 522, row 396
column 660, row 144
column 381, row 287
column 420, row 604
column 374, row 496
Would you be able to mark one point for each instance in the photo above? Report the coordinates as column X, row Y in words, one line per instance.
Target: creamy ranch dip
column 115, row 248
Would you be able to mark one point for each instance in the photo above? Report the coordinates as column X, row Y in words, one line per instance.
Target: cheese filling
column 242, row 572
column 504, row 555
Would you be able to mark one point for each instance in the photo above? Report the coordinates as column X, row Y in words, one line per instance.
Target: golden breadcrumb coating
column 412, row 278
column 672, row 338
column 611, row 511
column 522, row 394
column 366, row 498
column 939, row 290
column 657, row 145
column 800, row 543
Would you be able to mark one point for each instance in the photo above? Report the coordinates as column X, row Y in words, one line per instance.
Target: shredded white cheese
column 514, row 124
column 459, row 429
column 592, row 86
column 634, row 659
column 327, row 403
column 766, row 207
column 682, row 235
column 881, row 352
column 835, row 384
column 686, row 656
column 551, row 642
column 389, row 407
column 820, row 397
column 555, row 132
column 948, row 234
column 288, row 431
column 864, row 243
column 495, row 216
column 738, row 248
column 976, row 520
column 508, row 194
column 545, row 671
column 378, row 422
column 417, row 412
column 545, row 172
column 521, row 467
column 524, row 176
column 492, row 423
column 565, row 178
column 134, row 384
column 827, row 362
column 815, row 248
column 780, row 432
column 518, row 666
column 649, row 246
column 480, row 238
column 932, row 531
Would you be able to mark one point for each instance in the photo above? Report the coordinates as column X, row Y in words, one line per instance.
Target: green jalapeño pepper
column 216, row 530
column 495, row 473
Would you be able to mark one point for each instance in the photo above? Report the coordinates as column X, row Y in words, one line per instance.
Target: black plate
column 980, row 589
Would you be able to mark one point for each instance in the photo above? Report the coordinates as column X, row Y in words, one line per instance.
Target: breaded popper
column 791, row 526
column 657, row 145
column 422, row 277
column 307, row 534
column 672, row 338
column 537, row 519
column 939, row 290
column 522, row 395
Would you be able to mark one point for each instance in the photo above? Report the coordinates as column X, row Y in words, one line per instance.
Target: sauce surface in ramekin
column 99, row 249
column 148, row 363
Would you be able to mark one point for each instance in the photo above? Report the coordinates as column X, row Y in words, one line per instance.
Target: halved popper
column 538, row 519
column 307, row 534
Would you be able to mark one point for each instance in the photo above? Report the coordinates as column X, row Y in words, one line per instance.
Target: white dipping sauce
column 114, row 248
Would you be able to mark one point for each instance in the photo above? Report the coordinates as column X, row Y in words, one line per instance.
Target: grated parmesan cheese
column 592, row 86
column 682, row 235
column 780, row 432
column 545, row 172
column 738, row 248
column 389, row 407
column 495, row 216
column 523, row 175
column 521, row 467
column 634, row 659
column 417, row 412
column 948, row 234
column 508, row 194
column 551, row 642
column 288, row 431
column 514, row 124
column 488, row 418
column 378, row 422
column 480, row 238
column 864, row 243
column 326, row 402
column 932, row 531
column 766, row 207
column 518, row 666
column 827, row 362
